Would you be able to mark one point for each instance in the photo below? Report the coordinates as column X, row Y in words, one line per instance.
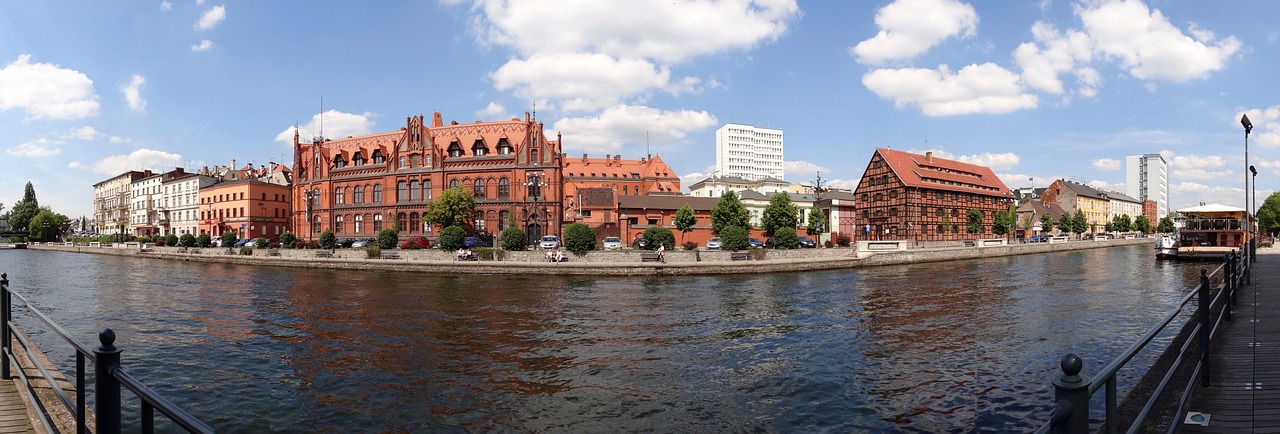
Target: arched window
column 478, row 188
column 358, row 197
column 359, row 224
column 402, row 191
column 504, row 188
column 533, row 157
column 377, row 193
column 337, row 224
column 453, row 183
column 413, row 222
column 377, row 223
column 338, row 199
column 401, row 224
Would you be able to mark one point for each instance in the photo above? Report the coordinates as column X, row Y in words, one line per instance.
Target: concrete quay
column 595, row 263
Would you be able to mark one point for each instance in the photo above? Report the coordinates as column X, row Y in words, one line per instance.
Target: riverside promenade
column 595, row 263
column 1244, row 391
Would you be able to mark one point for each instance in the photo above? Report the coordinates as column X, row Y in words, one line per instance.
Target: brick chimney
column 928, row 157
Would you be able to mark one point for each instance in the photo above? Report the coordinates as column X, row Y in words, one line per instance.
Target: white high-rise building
column 748, row 152
column 1147, row 178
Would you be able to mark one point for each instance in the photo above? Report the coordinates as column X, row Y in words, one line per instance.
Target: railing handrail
column 150, row 399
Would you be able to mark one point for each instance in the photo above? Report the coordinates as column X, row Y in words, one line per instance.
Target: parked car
column 253, row 242
column 612, row 243
column 755, row 242
column 807, row 243
column 1086, row 237
column 345, row 242
column 713, row 244
column 472, row 242
column 416, row 240
column 639, row 243
column 361, row 243
column 549, row 242
column 241, row 242
column 1038, row 239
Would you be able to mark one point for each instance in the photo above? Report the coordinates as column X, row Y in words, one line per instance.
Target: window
column 378, row 158
column 402, row 191
column 455, row 150
column 426, row 190
column 477, row 188
column 404, row 162
column 479, row 149
column 359, row 224
column 955, row 212
column 315, row 224
column 939, row 194
column 413, row 222
column 504, row 190
column 337, row 225
column 377, row 193
column 955, row 196
column 411, row 190
column 502, row 219
column 337, row 196
column 358, row 197
column 535, row 186
column 504, row 147
column 940, row 212
column 453, row 183
column 400, row 223
column 357, row 159
column 415, row 160
column 879, row 197
column 339, row 162
column 533, row 157
column 479, row 227
column 893, row 211
column 865, row 214
column 377, row 223
column 893, row 194
column 426, row 161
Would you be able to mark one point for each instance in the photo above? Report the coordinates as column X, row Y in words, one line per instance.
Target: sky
column 1037, row 91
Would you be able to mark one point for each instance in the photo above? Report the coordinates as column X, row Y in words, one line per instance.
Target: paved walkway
column 13, row 413
column 1244, row 396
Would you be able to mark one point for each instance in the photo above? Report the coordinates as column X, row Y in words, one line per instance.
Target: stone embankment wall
column 619, row 262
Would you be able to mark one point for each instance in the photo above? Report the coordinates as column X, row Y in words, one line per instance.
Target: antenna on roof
column 646, row 145
column 322, row 118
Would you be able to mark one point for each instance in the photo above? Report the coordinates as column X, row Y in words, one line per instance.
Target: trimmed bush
column 204, row 240
column 228, row 239
column 372, row 252
column 843, row 240
column 489, row 254
column 452, row 238
column 655, row 236
column 387, row 239
column 512, row 238
column 785, row 238
column 579, row 238
column 187, row 240
column 288, row 240
column 733, row 238
column 327, row 240
column 172, row 240
column 246, row 250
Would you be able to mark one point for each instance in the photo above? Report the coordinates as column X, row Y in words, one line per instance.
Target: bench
column 470, row 257
column 181, row 250
column 194, row 251
column 273, row 252
column 229, row 251
column 388, row 255
column 324, row 253
column 739, row 256
column 650, row 257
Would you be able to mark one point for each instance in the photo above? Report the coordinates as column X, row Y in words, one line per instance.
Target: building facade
column 179, row 207
column 111, row 201
column 1122, row 205
column 715, row 186
column 749, row 152
column 359, row 185
column 1147, row 178
column 248, row 207
column 905, row 196
column 1074, row 196
column 592, row 187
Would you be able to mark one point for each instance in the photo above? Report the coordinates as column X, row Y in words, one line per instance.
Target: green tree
column 187, row 240
column 1125, row 224
column 685, row 220
column 1141, row 224
column 1005, row 221
column 513, row 238
column 388, row 239
column 228, row 238
column 1269, row 214
column 46, row 225
column 781, row 213
column 657, row 235
column 1046, row 223
column 817, row 222
column 204, row 240
column 729, row 211
column 1079, row 223
column 452, row 238
column 946, row 224
column 785, row 238
column 579, row 238
column 733, row 238
column 288, row 240
column 25, row 210
column 1066, row 222
column 974, row 221
column 1166, row 225
column 171, row 240
column 454, row 207
column 327, row 240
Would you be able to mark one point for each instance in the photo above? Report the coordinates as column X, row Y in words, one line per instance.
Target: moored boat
column 1167, row 246
column 1211, row 231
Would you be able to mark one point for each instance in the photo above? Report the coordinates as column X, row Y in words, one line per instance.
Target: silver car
column 549, row 242
column 612, row 243
column 362, row 243
column 713, row 244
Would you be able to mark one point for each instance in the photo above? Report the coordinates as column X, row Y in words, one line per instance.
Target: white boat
column 1166, row 247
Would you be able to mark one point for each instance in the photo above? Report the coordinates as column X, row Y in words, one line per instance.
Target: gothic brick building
column 905, row 196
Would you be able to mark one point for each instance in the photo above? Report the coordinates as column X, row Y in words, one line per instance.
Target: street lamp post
column 533, row 188
column 308, row 193
column 817, row 203
column 1248, row 127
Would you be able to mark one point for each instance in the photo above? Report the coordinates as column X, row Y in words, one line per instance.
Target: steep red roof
column 928, row 171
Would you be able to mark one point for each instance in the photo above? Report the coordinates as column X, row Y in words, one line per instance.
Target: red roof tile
column 927, row 171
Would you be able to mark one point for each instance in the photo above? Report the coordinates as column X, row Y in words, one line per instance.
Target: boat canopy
column 1213, row 210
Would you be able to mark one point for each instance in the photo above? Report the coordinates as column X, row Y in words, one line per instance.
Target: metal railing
column 1073, row 390
column 108, row 376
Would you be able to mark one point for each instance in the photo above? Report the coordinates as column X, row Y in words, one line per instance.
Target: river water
column 943, row 347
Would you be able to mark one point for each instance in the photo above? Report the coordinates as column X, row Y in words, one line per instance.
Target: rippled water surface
column 957, row 347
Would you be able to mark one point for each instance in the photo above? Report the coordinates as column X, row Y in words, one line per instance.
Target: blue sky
column 1035, row 90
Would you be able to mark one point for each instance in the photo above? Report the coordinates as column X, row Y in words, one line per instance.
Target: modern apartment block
column 1147, row 178
column 748, row 152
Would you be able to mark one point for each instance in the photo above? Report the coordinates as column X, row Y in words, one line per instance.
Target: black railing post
column 105, row 386
column 4, row 327
column 1204, row 327
column 1071, row 392
column 1228, row 261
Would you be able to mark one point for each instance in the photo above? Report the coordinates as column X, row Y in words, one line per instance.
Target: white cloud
column 203, row 45
column 911, row 27
column 137, row 160
column 82, row 133
column 1105, row 185
column 847, row 184
column 1148, row 46
column 115, row 139
column 166, row 6
column 1001, row 161
column 41, row 147
column 626, row 125
column 1187, row 194
column 493, row 111
column 985, row 88
column 133, row 93
column 1106, row 164
column 1266, row 126
column 211, row 17
column 802, row 171
column 1198, row 167
column 1062, row 53
column 584, row 82
column 45, row 90
column 690, row 178
column 336, row 125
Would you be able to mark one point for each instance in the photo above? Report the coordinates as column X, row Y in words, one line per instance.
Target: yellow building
column 1073, row 196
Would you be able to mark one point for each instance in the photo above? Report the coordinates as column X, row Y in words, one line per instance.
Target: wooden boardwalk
column 13, row 412
column 1244, row 395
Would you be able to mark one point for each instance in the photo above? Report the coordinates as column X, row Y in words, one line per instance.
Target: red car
column 417, row 242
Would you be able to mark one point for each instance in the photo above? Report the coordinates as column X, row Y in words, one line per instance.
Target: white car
column 549, row 242
column 713, row 244
column 612, row 243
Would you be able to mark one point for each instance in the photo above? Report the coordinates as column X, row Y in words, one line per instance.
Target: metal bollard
column 1204, row 327
column 5, row 313
column 105, row 386
column 1071, row 392
column 1228, row 261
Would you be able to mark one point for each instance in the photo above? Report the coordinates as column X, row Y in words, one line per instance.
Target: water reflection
column 925, row 348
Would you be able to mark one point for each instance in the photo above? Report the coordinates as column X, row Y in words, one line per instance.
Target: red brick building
column 359, row 185
column 905, row 196
column 593, row 188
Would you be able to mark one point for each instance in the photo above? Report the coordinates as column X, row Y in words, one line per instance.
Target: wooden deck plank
column 13, row 412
